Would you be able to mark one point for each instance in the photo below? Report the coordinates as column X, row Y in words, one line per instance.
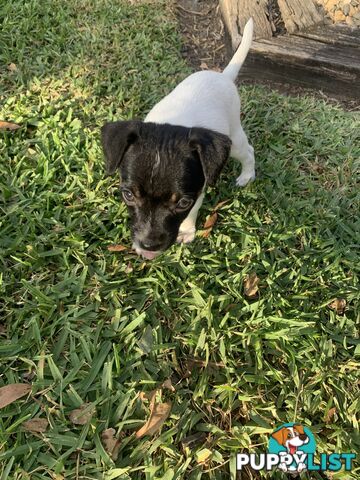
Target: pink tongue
column 148, row 254
column 292, row 449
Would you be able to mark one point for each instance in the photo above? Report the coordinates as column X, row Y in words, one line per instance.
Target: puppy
column 167, row 160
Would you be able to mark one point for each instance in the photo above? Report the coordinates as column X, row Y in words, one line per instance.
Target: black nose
column 303, row 436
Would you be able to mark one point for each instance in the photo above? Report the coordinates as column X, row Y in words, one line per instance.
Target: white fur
column 210, row 100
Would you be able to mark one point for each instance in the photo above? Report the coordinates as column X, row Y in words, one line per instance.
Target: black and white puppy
column 166, row 161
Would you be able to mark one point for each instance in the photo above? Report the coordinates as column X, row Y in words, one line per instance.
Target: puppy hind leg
column 187, row 229
column 244, row 152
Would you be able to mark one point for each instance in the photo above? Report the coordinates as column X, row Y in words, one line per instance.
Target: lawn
column 82, row 324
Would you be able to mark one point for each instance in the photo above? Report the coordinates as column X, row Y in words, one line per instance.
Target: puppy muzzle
column 148, row 254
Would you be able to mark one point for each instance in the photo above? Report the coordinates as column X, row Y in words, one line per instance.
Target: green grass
column 86, row 325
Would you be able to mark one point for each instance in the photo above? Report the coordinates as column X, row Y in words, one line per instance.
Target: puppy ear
column 280, row 436
column 213, row 149
column 299, row 429
column 116, row 138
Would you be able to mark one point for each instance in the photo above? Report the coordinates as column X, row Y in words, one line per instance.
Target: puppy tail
column 238, row 59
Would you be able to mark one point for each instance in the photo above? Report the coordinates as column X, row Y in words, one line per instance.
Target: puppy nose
column 303, row 436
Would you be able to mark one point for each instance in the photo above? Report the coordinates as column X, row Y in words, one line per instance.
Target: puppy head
column 291, row 437
column 163, row 171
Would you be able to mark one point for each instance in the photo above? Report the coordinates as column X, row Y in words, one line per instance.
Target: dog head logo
column 293, row 442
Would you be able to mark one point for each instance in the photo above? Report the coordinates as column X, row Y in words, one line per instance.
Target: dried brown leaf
column 220, row 204
column 9, row 125
column 204, row 66
column 208, row 225
column 36, row 425
column 11, row 393
column 210, row 222
column 117, row 248
column 167, row 384
column 159, row 413
column 12, row 67
column 330, row 415
column 147, row 395
column 251, row 285
column 338, row 305
column 129, row 268
column 83, row 414
column 111, row 443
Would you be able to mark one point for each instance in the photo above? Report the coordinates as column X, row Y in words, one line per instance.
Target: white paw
column 186, row 236
column 244, row 179
column 301, row 467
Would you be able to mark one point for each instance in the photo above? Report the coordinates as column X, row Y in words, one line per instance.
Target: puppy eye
column 184, row 203
column 128, row 196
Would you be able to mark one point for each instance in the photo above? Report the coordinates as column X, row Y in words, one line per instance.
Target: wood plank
column 306, row 63
column 292, row 49
column 341, row 35
column 299, row 14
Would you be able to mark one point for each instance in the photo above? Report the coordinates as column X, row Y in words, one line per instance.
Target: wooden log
column 339, row 34
column 311, row 63
column 236, row 13
column 299, row 14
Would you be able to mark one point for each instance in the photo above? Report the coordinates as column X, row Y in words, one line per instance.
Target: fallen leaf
column 338, row 305
column 8, row 125
column 36, row 425
column 148, row 396
column 111, row 443
column 83, row 414
column 167, row 384
column 129, row 268
column 203, row 455
column 208, row 225
column 251, row 285
column 210, row 222
column 11, row 393
column 204, row 66
column 220, row 204
column 330, row 415
column 117, row 248
column 12, row 67
column 159, row 413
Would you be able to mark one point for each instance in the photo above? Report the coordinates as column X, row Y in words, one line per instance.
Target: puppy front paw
column 301, row 467
column 186, row 236
column 244, row 179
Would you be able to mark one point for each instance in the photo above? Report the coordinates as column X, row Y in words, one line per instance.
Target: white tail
column 238, row 59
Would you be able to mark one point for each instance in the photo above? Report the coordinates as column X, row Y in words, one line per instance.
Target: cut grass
column 87, row 325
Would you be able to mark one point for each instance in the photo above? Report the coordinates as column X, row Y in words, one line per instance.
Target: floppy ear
column 116, row 138
column 280, row 436
column 213, row 149
column 299, row 429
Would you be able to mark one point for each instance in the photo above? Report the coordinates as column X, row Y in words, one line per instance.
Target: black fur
column 158, row 163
